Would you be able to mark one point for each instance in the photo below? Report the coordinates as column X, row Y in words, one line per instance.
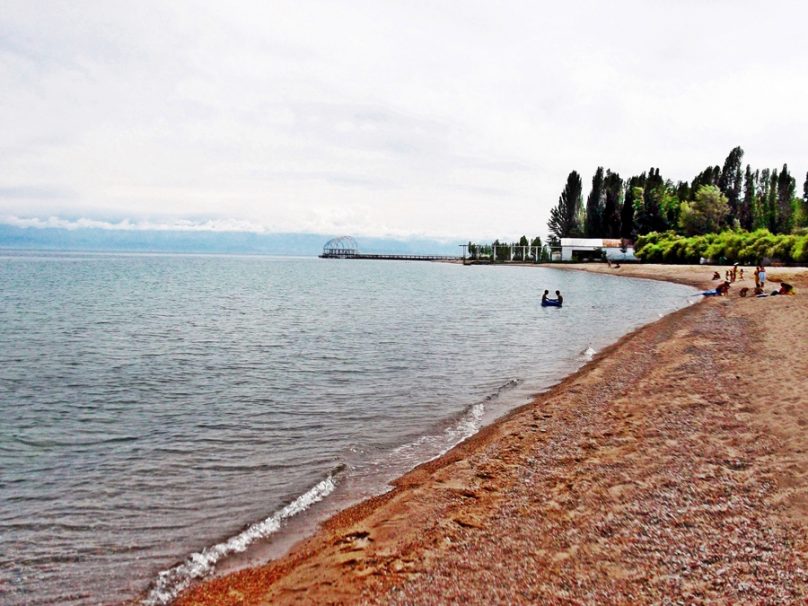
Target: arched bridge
column 345, row 247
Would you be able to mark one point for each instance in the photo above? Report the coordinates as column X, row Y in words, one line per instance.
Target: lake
column 156, row 407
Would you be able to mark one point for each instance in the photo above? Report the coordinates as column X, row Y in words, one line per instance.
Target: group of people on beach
column 736, row 273
column 731, row 275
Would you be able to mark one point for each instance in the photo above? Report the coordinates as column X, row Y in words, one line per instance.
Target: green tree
column 595, row 206
column 537, row 243
column 683, row 190
column 634, row 193
column 762, row 199
column 730, row 182
column 650, row 212
column 771, row 202
column 747, row 211
column 670, row 205
column 521, row 253
column 803, row 219
column 786, row 188
column 613, row 186
column 706, row 214
column 564, row 218
column 709, row 176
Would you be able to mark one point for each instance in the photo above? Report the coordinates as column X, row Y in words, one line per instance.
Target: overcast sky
column 445, row 119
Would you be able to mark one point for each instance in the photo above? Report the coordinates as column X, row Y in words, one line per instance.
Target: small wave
column 171, row 582
column 466, row 426
column 509, row 384
column 52, row 443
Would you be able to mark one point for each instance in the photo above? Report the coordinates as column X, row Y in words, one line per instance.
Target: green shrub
column 783, row 247
column 800, row 252
column 725, row 247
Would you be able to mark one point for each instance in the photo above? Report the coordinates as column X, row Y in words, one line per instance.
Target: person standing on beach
column 762, row 276
column 757, row 276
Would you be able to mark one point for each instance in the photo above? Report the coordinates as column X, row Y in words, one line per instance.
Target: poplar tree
column 730, row 182
column 595, row 206
column 771, row 202
column 564, row 217
column 762, row 197
column 683, row 191
column 613, row 187
column 650, row 213
column 804, row 204
column 634, row 192
column 786, row 187
column 709, row 176
column 746, row 211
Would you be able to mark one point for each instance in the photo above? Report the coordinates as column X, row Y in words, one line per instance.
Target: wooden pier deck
column 391, row 257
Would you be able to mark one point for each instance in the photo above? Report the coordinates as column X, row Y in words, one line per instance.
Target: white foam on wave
column 171, row 582
column 466, row 426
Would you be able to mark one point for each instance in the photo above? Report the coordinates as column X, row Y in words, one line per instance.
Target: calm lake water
column 163, row 412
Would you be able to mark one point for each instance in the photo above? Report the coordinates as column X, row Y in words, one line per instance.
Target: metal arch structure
column 344, row 246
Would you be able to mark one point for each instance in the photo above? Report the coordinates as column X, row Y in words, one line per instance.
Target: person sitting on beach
column 786, row 289
column 744, row 291
column 718, row 291
column 544, row 296
column 759, row 292
column 559, row 298
column 716, row 275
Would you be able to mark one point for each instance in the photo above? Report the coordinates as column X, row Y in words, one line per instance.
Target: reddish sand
column 671, row 469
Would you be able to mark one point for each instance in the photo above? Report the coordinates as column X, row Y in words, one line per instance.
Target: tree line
column 524, row 250
column 718, row 198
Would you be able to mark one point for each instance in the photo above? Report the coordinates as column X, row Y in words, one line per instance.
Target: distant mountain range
column 94, row 239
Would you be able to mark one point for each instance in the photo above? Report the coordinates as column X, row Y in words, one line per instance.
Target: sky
column 455, row 120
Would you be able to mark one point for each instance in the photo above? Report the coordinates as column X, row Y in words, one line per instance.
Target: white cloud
column 391, row 118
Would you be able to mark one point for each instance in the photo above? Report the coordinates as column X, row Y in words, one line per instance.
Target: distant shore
column 673, row 466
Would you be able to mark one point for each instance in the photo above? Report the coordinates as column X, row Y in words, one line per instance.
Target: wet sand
column 672, row 468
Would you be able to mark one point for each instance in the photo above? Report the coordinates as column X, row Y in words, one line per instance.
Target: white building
column 580, row 249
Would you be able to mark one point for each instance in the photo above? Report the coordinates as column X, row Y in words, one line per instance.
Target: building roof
column 583, row 242
column 592, row 242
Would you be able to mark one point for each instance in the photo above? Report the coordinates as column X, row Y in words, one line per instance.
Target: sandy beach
column 673, row 468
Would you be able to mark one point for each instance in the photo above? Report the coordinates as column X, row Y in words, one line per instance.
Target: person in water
column 544, row 296
column 559, row 298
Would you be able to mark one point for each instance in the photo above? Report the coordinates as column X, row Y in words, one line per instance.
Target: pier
column 347, row 248
column 393, row 257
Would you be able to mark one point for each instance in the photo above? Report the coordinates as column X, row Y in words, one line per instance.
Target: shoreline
column 407, row 541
